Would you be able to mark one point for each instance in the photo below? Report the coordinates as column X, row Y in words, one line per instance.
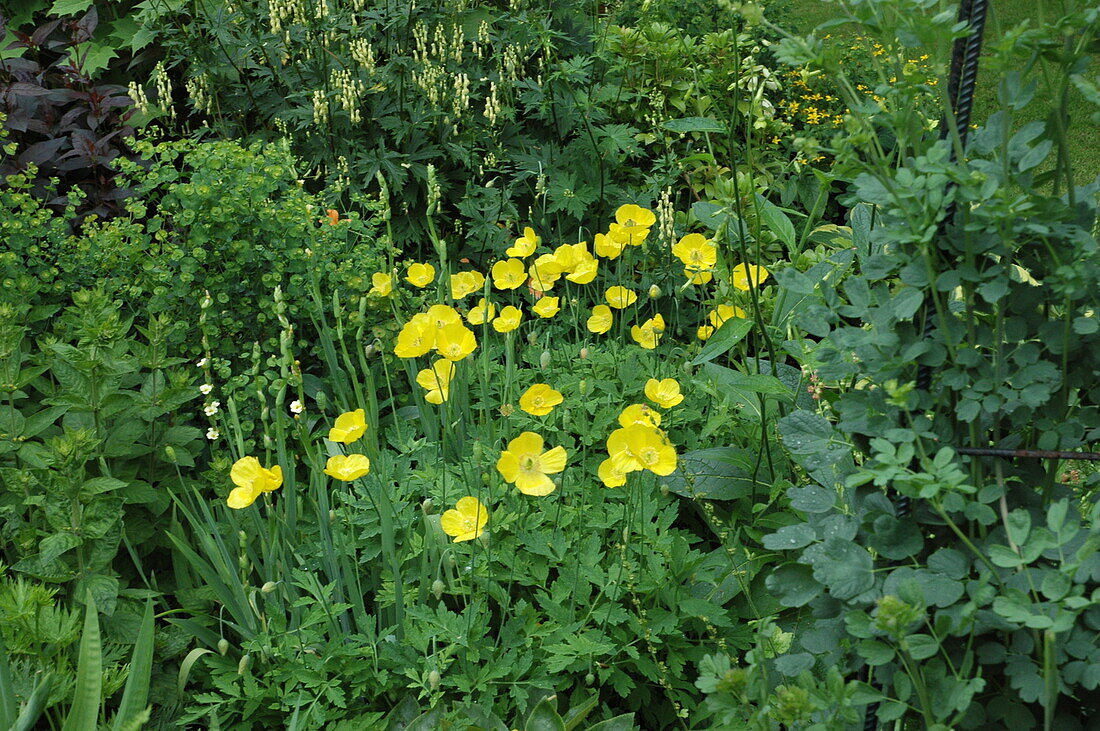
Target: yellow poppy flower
column 525, row 245
column 722, row 313
column 610, row 475
column 585, row 270
column 639, row 447
column 627, row 235
column 640, row 414
column 509, row 274
column 696, row 252
column 465, row 283
column 437, row 381
column 544, row 272
column 607, row 247
column 747, row 276
column 347, row 467
column 455, row 341
column 349, row 427
column 547, row 306
column 631, row 215
column 383, row 284
column 440, row 316
column 620, row 297
column 665, row 393
column 648, row 334
column 508, row 319
column 525, row 465
column 420, row 275
column 466, row 520
column 704, row 332
column 416, row 338
column 481, row 314
column 601, row 319
column 540, row 400
column 251, row 479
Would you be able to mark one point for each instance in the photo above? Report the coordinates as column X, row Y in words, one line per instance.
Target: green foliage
column 971, row 610
column 90, row 432
column 542, row 114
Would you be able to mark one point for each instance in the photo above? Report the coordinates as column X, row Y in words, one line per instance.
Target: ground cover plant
column 544, row 366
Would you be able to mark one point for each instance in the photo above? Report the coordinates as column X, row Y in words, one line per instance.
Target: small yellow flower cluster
column 252, row 479
column 639, row 444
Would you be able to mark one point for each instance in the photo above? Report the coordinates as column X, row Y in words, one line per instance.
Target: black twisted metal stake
column 960, row 91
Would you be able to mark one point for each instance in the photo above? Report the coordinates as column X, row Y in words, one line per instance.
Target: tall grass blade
column 8, row 705
column 28, row 717
column 135, row 695
column 84, row 712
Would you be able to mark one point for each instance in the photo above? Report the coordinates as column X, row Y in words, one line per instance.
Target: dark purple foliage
column 60, row 120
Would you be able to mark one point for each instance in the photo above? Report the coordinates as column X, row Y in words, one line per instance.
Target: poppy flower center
column 528, row 464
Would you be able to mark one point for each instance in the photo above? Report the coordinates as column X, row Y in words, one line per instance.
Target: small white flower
column 296, row 407
column 202, row 363
column 206, row 388
column 212, row 433
column 211, row 408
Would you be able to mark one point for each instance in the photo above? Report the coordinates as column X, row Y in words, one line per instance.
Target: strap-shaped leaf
column 136, row 693
column 84, row 712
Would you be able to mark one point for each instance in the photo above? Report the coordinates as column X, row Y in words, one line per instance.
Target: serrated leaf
column 69, row 7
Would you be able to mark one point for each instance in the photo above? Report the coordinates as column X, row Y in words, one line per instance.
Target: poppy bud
column 437, row 588
column 223, row 646
column 654, row 291
column 544, row 360
column 170, row 453
column 426, row 506
column 268, row 587
column 532, row 338
column 477, row 451
column 583, row 386
column 589, row 679
column 433, row 679
column 584, row 353
column 242, row 666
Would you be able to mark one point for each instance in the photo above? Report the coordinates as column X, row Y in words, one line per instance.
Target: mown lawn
column 805, row 15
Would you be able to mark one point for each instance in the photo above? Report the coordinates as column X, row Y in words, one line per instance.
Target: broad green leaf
column 84, row 712
column 1018, row 526
column 793, row 585
column 790, row 537
column 875, row 652
column 579, row 711
column 544, row 717
column 624, row 722
column 844, row 568
column 135, row 695
column 694, row 124
column 728, row 335
column 777, row 222
column 429, row 721
column 720, row 473
column 817, row 447
column 921, row 646
column 69, row 7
